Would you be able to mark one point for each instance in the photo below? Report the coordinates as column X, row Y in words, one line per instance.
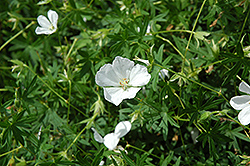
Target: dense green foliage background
column 47, row 82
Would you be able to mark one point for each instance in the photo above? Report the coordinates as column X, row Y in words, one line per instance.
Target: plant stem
column 175, row 30
column 176, row 49
column 69, row 101
column 16, row 35
column 1, row 155
column 70, row 50
column 183, row 76
column 244, row 24
column 190, row 37
column 75, row 139
column 131, row 146
column 54, row 90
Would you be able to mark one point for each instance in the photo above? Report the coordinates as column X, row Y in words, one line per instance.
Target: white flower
column 47, row 26
column 111, row 140
column 121, row 79
column 242, row 103
column 148, row 30
column 163, row 73
column 101, row 163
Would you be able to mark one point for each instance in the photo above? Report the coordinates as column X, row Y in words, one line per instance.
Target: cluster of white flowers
column 112, row 139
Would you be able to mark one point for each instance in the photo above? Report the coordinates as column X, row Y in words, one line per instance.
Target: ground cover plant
column 94, row 82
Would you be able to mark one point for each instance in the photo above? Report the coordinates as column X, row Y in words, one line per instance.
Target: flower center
column 51, row 27
column 124, row 83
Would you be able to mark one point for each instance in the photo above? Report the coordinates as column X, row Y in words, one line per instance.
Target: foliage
column 50, row 100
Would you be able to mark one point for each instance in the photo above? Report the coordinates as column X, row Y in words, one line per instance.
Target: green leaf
column 127, row 159
column 239, row 50
column 159, row 55
column 17, row 134
column 30, row 87
column 20, row 63
column 168, row 158
column 232, row 73
column 98, row 158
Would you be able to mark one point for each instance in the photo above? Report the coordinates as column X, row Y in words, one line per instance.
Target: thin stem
column 170, row 31
column 176, row 49
column 180, row 100
column 243, row 25
column 16, row 35
column 76, row 139
column 90, row 3
column 142, row 101
column 190, row 37
column 131, row 146
column 70, row 50
column 53, row 90
column 183, row 76
column 69, row 101
column 1, row 155
column 184, row 147
column 237, row 121
column 59, row 42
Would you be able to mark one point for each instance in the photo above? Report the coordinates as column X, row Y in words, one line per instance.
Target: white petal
column 111, row 141
column 53, row 17
column 139, row 76
column 97, row 136
column 107, row 77
column 113, row 95
column 122, row 128
column 129, row 93
column 244, row 87
column 41, row 30
column 148, row 29
column 43, row 22
column 116, row 95
column 143, row 61
column 240, row 102
column 122, row 67
column 244, row 116
column 101, row 163
column 163, row 73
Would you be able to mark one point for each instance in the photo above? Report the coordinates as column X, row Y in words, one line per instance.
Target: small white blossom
column 242, row 103
column 121, row 79
column 101, row 163
column 148, row 30
column 112, row 139
column 163, row 73
column 47, row 26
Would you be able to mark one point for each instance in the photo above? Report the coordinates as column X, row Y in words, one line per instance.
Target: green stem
column 142, row 101
column 131, row 146
column 190, row 37
column 183, row 76
column 16, row 35
column 237, row 121
column 184, row 147
column 53, row 90
column 176, row 49
column 180, row 100
column 75, row 139
column 1, row 155
column 90, row 3
column 170, row 31
column 244, row 24
column 70, row 50
column 69, row 101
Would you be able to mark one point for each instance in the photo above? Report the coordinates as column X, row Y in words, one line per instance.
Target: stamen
column 124, row 83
